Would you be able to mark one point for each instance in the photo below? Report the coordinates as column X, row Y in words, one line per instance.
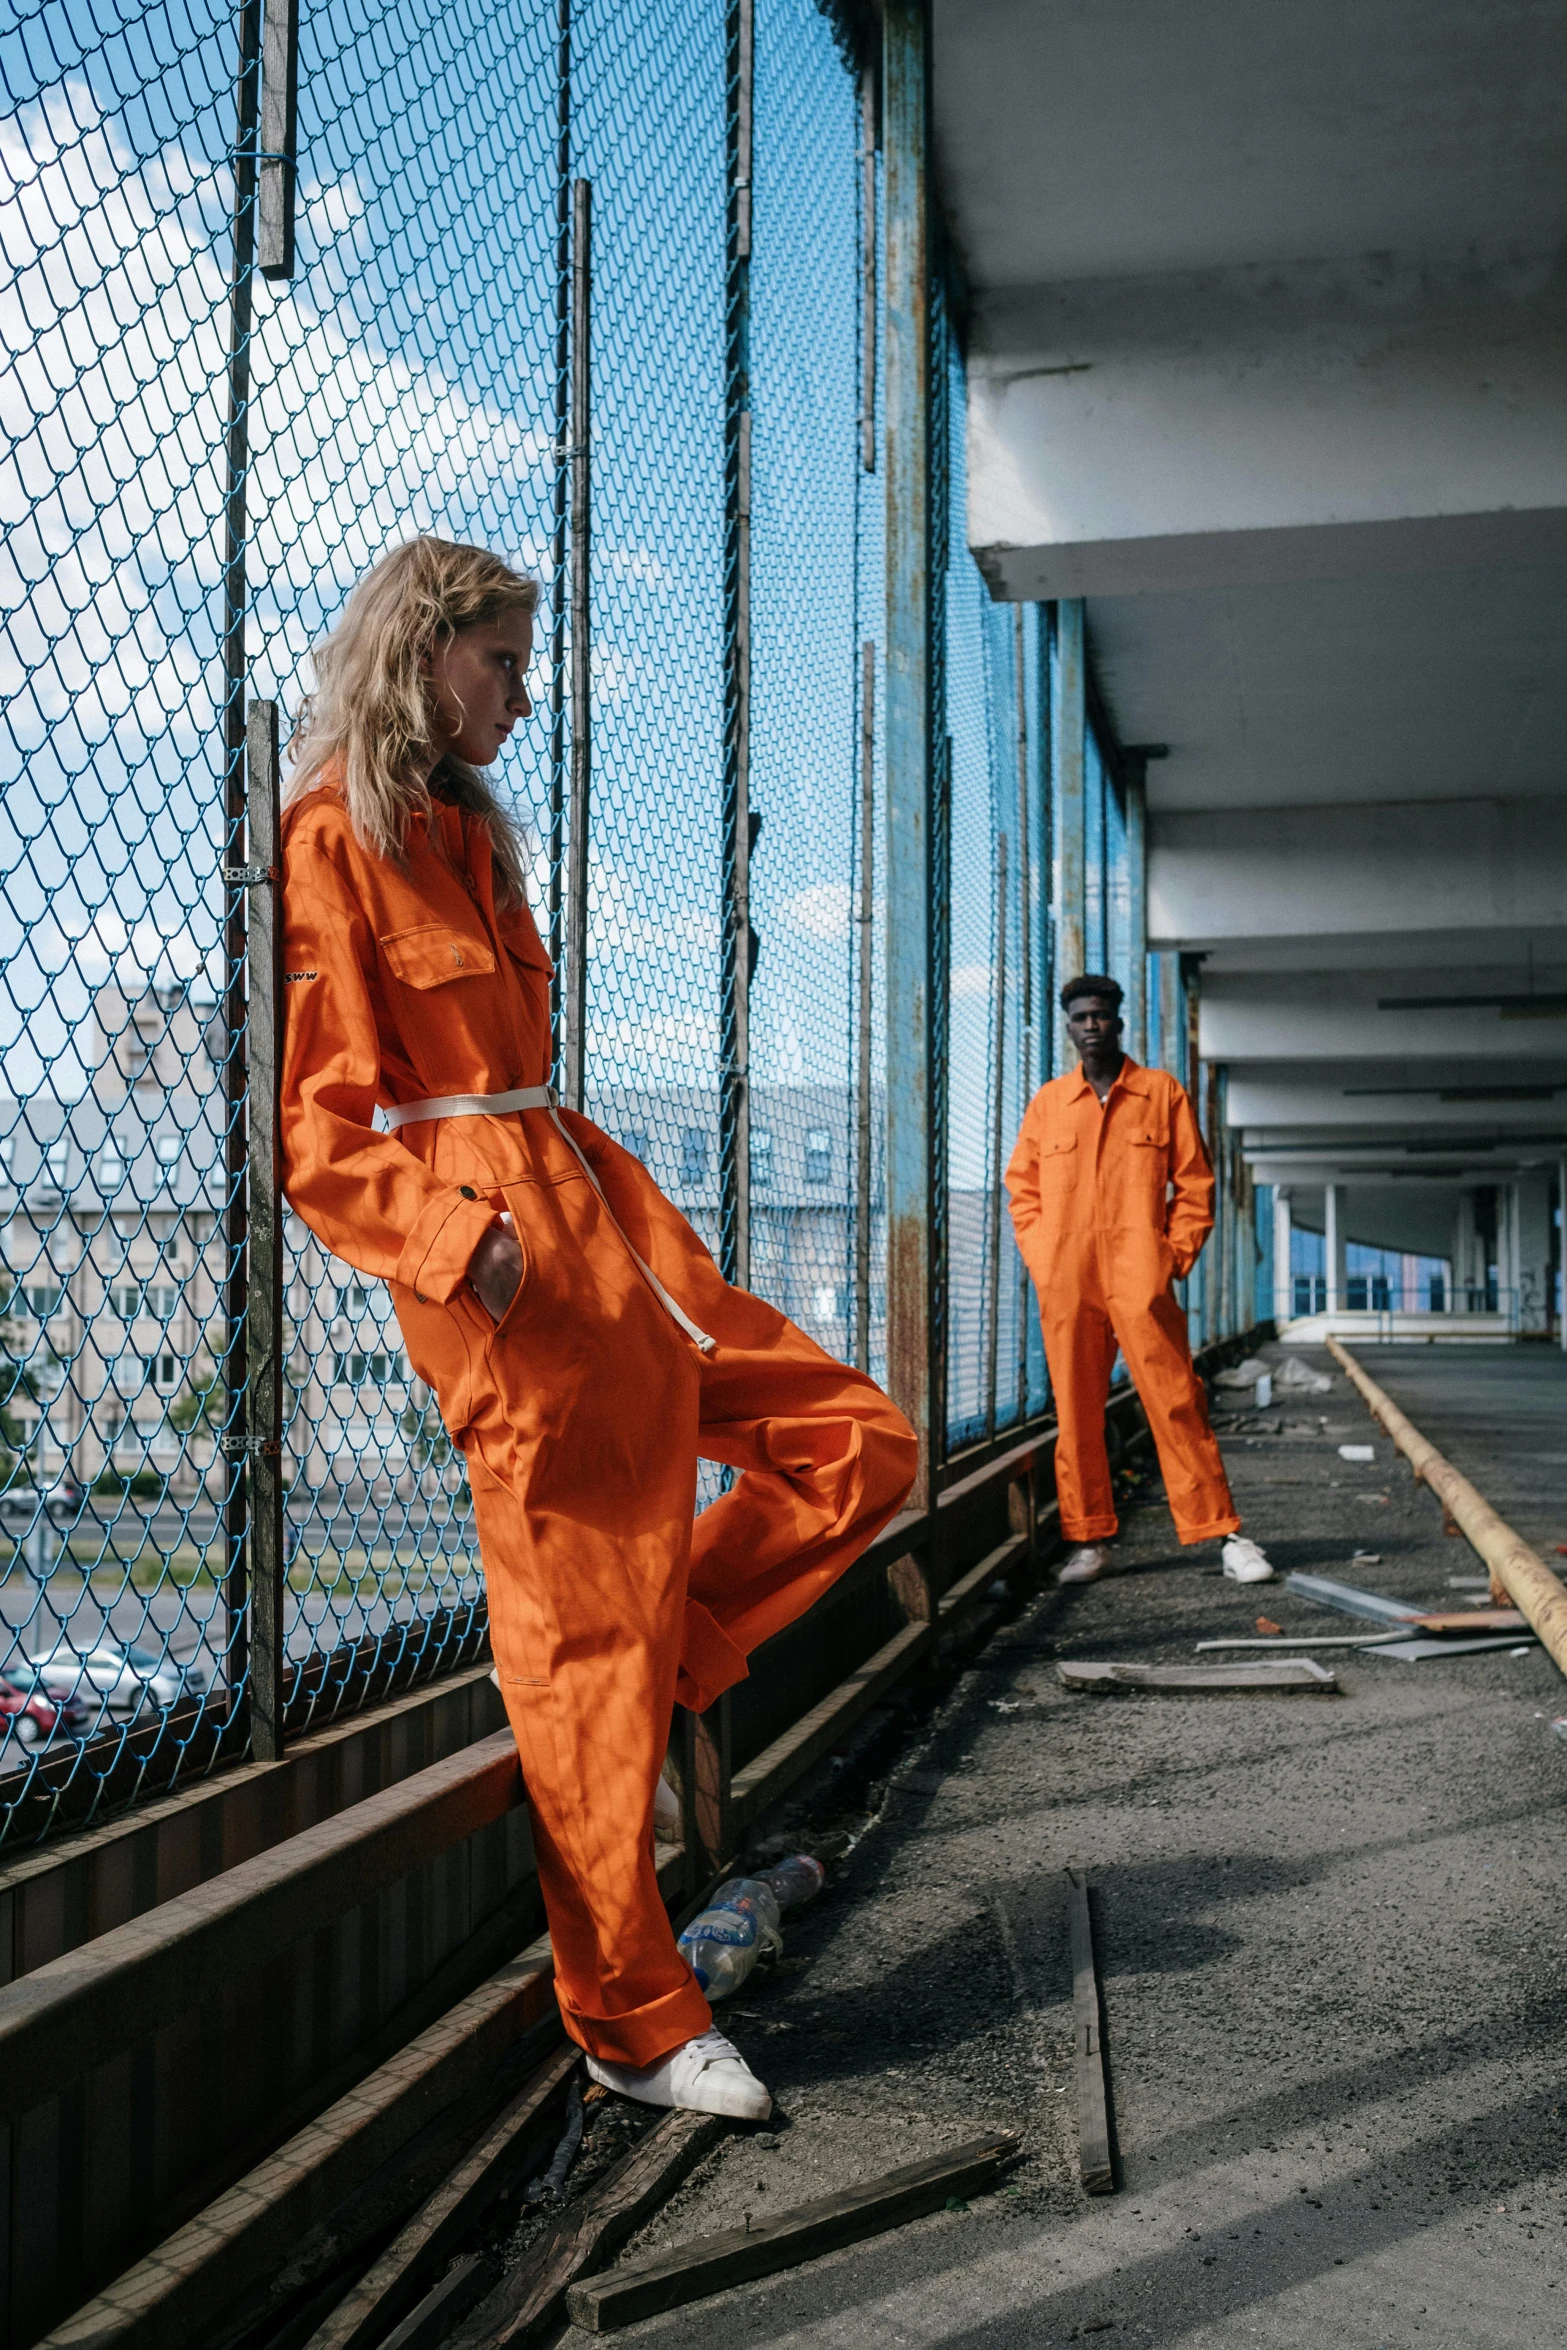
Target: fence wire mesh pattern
column 240, row 362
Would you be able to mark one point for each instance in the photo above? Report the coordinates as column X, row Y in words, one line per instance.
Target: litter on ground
column 1280, row 1676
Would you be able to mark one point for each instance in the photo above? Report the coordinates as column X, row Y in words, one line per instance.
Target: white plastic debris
column 1244, row 1374
column 1300, row 1379
column 1357, row 1452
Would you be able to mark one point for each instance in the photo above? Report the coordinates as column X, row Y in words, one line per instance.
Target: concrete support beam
column 1337, row 1237
column 1240, row 426
column 1272, row 874
column 1283, row 1229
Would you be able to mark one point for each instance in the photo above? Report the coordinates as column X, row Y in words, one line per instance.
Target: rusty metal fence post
column 910, row 739
column 261, row 877
column 581, row 657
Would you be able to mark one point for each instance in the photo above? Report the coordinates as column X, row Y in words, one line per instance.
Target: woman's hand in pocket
column 495, row 1270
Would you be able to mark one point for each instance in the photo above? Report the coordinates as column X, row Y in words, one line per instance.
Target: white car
column 122, row 1677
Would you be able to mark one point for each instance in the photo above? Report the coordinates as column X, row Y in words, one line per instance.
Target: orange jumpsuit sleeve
column 366, row 1198
column 1190, row 1217
column 1023, row 1183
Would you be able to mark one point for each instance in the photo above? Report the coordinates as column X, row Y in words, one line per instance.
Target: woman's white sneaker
column 706, row 2075
column 1244, row 1562
column 1087, row 1563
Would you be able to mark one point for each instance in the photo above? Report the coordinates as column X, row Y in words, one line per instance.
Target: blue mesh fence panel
column 202, row 460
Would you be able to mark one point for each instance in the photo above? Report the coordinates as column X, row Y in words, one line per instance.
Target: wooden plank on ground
column 1298, row 1675
column 530, row 2303
column 1093, row 2104
column 378, row 2300
column 667, row 2280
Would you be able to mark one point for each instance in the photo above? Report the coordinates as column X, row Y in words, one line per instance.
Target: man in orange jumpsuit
column 1112, row 1199
column 620, row 1357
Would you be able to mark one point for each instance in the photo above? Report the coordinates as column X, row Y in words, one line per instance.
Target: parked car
column 117, row 1675
column 28, row 1715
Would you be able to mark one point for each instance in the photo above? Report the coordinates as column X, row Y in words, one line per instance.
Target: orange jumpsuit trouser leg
column 608, row 1598
column 1106, row 1306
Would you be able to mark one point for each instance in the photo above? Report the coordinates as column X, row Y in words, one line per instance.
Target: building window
column 818, row 1155
column 638, row 1144
column 57, row 1163
column 125, row 1300
column 368, row 1370
column 693, row 1157
column 111, row 1168
column 43, row 1298
column 167, row 1148
column 761, row 1159
column 165, row 1372
column 161, row 1299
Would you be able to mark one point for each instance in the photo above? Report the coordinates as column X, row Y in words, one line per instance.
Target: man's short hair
column 1092, row 983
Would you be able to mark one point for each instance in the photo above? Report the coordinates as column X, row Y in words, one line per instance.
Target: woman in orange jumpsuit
column 582, row 1346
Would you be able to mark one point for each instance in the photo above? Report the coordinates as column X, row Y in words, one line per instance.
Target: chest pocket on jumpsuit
column 1146, row 1164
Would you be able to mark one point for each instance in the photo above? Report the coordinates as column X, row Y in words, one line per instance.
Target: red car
column 28, row 1715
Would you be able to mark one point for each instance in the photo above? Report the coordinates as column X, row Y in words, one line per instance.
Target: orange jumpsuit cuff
column 436, row 1255
column 644, row 2034
column 710, row 1662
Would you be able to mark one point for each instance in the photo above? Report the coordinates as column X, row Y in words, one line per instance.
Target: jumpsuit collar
column 1129, row 1077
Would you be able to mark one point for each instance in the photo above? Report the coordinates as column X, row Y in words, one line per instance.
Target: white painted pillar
column 1335, row 1243
column 1283, row 1280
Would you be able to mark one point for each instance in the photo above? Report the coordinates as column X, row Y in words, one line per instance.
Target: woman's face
column 477, row 692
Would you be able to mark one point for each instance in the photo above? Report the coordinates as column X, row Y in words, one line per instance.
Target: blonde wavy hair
column 367, row 725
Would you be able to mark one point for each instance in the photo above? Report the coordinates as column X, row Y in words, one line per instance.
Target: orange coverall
column 1103, row 1239
column 583, row 1410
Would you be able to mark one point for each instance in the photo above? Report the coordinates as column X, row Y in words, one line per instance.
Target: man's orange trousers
column 1111, row 1289
column 582, row 1415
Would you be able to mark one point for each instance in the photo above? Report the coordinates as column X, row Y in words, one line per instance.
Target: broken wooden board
column 1093, row 2102
column 379, row 2299
column 1473, row 1620
column 1293, row 1675
column 667, row 2280
column 529, row 2304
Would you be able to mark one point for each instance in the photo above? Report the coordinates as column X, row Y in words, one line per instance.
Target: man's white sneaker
column 1244, row 1562
column 706, row 2075
column 666, row 1813
column 1087, row 1563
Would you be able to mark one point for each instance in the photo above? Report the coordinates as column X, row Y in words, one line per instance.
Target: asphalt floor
column 1329, row 1931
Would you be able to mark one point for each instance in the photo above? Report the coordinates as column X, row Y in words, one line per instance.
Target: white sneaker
column 1087, row 1563
column 666, row 1813
column 1244, row 1562
column 706, row 2075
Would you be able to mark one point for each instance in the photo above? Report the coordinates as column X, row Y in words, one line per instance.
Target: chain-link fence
column 218, row 419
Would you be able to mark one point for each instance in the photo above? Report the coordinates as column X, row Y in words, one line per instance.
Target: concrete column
column 1531, row 1246
column 1333, row 1198
column 1561, row 1254
column 1283, row 1279
column 1463, row 1250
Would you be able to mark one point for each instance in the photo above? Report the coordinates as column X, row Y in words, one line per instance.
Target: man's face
column 1094, row 1025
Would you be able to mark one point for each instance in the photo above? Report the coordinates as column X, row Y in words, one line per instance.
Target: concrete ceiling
column 1268, row 363
column 1113, row 138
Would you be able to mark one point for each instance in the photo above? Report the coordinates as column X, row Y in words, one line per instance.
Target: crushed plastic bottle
column 740, row 1923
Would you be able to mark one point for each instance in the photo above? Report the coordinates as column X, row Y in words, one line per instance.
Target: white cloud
column 823, row 910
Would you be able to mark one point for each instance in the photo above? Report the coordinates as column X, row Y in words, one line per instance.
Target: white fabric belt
column 471, row 1105
column 542, row 1097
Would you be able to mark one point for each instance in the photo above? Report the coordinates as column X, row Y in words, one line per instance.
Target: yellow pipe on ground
column 1517, row 1572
